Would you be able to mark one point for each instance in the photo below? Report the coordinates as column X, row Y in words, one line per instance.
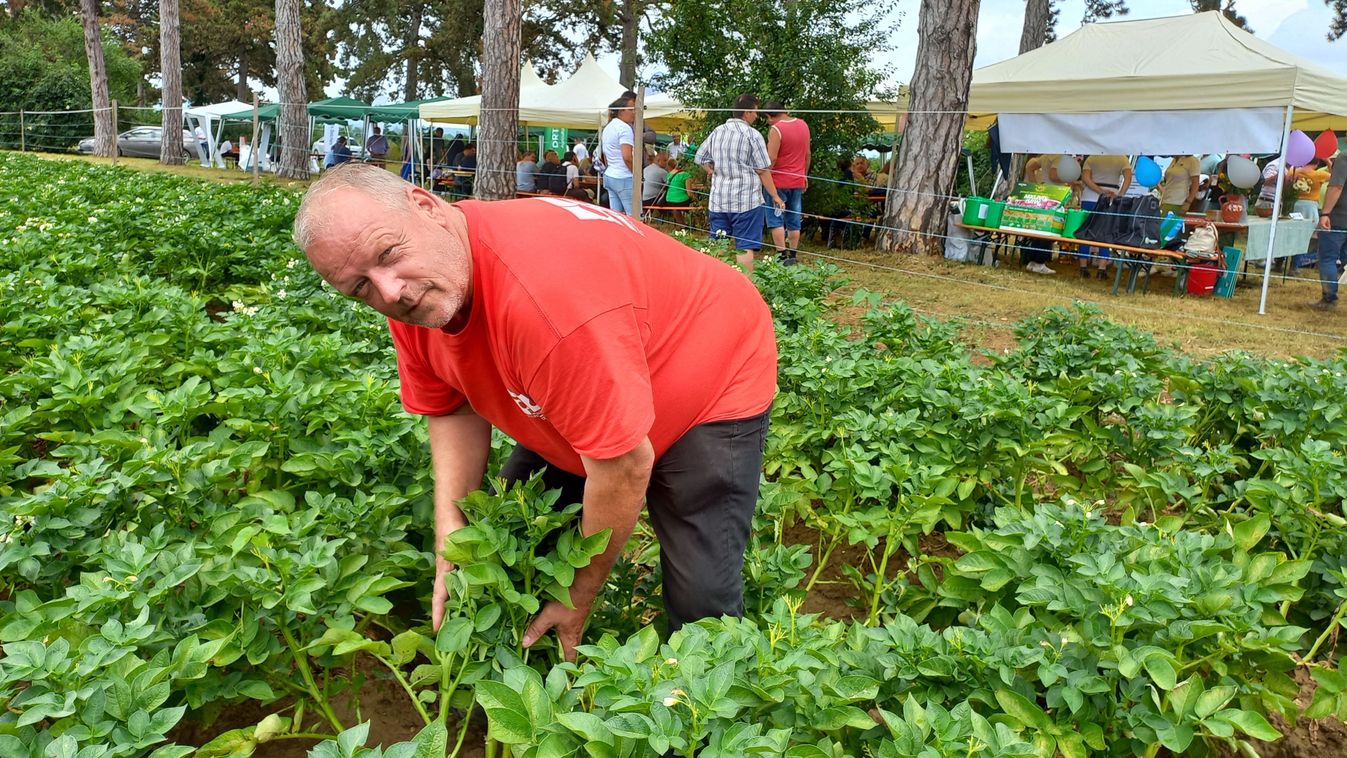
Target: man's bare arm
column 614, row 495
column 459, row 446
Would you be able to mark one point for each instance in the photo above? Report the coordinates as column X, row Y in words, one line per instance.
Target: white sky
column 1294, row 25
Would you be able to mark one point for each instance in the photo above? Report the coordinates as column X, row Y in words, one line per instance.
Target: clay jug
column 1232, row 208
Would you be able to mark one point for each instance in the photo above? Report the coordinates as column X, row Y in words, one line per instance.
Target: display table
column 1293, row 238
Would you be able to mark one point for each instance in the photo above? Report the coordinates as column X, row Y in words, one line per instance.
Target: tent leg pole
column 972, row 180
column 1276, row 210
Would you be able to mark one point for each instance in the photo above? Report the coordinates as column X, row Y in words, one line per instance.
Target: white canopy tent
column 579, row 102
column 1180, row 85
column 1188, row 84
column 210, row 119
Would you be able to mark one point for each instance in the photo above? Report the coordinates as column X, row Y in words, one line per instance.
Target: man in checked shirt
column 734, row 155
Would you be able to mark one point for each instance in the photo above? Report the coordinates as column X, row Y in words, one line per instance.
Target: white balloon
column 1243, row 172
column 1068, row 168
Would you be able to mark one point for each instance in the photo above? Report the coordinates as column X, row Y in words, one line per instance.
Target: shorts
column 745, row 228
column 790, row 218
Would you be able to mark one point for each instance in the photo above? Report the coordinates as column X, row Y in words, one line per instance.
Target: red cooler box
column 1202, row 279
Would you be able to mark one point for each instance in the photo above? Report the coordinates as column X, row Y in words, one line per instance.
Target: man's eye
column 384, row 255
column 359, row 289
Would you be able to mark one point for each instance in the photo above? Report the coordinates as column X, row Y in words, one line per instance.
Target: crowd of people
column 1193, row 184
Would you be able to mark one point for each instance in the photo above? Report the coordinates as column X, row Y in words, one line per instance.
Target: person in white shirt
column 581, row 152
column 676, row 148
column 618, row 143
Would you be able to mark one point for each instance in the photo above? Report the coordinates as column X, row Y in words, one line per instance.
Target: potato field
column 216, row 523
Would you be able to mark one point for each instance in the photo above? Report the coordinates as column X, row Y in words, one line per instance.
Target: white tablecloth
column 1293, row 238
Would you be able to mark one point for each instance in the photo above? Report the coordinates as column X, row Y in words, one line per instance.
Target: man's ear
column 423, row 200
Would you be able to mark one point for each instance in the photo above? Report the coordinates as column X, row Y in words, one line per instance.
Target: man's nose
column 387, row 284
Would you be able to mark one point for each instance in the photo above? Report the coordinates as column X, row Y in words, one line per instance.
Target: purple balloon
column 1299, row 149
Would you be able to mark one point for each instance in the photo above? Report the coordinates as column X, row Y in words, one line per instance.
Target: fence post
column 115, row 132
column 637, row 153
column 252, row 152
column 23, row 136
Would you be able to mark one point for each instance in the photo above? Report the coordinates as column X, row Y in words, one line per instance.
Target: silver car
column 143, row 142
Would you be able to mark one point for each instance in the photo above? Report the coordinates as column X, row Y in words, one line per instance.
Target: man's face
column 627, row 114
column 408, row 266
column 750, row 116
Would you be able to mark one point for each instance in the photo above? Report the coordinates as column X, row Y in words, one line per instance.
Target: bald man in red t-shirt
column 629, row 368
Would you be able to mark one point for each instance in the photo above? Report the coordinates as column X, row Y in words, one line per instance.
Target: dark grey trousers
column 701, row 498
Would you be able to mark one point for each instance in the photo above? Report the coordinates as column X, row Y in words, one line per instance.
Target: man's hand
column 1324, row 223
column 440, row 594
column 568, row 623
column 778, row 202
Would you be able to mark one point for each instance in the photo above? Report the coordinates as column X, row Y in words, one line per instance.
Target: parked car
column 143, row 141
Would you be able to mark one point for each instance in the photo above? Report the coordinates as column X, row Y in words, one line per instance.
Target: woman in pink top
column 788, row 147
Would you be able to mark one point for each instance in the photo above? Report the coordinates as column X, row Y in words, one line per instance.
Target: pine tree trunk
column 631, row 18
column 1035, row 32
column 496, row 150
column 929, row 160
column 170, row 64
column 412, row 48
column 294, row 128
column 242, row 92
column 105, row 139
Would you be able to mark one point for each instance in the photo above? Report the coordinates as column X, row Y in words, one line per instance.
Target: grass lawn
column 990, row 300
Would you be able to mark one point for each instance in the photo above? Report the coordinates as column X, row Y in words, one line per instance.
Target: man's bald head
column 382, row 187
column 396, row 247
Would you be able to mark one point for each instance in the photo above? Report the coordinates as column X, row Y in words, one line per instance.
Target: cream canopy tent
column 579, row 102
column 1131, row 81
column 1178, row 85
column 1170, row 86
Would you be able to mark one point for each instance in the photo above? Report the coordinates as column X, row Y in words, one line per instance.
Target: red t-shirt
column 589, row 331
column 792, row 164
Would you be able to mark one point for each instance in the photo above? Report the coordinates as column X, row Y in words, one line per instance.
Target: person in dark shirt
column 465, row 161
column 338, row 155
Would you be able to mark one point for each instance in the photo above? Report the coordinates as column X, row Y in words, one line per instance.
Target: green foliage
column 812, row 55
column 43, row 67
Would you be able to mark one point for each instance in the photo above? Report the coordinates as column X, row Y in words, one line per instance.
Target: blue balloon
column 1147, row 172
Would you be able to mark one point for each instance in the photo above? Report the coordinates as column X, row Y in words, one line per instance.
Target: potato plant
column 209, row 496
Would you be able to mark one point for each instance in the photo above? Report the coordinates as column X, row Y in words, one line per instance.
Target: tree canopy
column 810, row 54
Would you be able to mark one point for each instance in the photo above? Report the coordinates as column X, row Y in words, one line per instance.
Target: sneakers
column 787, row 258
column 1103, row 273
column 1084, row 272
column 1324, row 305
column 1039, row 268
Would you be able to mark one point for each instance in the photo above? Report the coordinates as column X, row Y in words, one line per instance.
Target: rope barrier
column 1003, row 288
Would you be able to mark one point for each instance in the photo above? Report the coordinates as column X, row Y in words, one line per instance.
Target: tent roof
column 465, row 110
column 401, row 111
column 272, row 112
column 345, row 108
column 1196, row 61
column 217, row 110
column 580, row 102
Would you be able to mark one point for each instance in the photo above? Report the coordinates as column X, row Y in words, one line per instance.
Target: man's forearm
column 768, row 184
column 459, row 446
column 614, row 494
column 1331, row 199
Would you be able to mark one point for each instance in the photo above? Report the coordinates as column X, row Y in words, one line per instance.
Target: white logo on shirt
column 526, row 404
column 590, row 212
